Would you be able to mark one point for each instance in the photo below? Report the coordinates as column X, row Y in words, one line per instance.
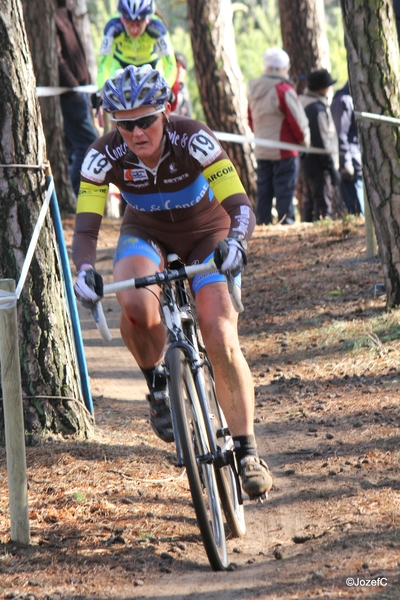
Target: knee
column 137, row 311
column 219, row 335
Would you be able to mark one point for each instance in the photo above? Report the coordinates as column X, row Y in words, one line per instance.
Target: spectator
column 183, row 103
column 351, row 184
column 79, row 130
column 136, row 36
column 319, row 171
column 275, row 113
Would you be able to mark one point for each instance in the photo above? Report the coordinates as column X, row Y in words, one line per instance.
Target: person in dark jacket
column 320, row 171
column 351, row 184
column 79, row 130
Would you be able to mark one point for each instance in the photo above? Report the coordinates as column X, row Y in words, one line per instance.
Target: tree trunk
column 49, row 373
column 373, row 61
column 82, row 20
column 304, row 38
column 220, row 80
column 39, row 14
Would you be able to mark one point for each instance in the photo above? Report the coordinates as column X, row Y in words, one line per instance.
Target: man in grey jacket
column 276, row 114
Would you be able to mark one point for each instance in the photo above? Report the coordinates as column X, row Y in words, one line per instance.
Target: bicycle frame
column 202, row 440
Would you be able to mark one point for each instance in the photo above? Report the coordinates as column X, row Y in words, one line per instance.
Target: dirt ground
column 111, row 517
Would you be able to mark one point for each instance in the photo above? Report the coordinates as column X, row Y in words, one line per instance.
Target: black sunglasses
column 142, row 123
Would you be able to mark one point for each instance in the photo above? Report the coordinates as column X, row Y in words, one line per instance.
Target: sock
column 245, row 445
column 155, row 380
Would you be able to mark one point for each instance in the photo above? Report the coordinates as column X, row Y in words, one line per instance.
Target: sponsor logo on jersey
column 135, row 175
column 173, row 167
column 178, row 178
column 221, row 173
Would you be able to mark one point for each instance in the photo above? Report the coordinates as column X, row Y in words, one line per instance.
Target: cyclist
column 136, row 36
column 183, row 195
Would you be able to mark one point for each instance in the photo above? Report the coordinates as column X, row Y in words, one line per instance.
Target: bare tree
column 220, row 80
column 49, row 372
column 374, row 74
column 304, row 37
column 42, row 42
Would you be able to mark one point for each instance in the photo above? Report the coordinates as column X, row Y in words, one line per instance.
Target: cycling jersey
column 191, row 200
column 118, row 50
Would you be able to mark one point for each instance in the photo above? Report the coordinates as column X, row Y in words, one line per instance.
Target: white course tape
column 56, row 91
column 7, row 299
column 365, row 116
column 241, row 139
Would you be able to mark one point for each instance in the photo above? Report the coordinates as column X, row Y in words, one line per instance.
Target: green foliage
column 79, row 497
column 256, row 25
column 337, row 50
column 256, row 29
column 181, row 43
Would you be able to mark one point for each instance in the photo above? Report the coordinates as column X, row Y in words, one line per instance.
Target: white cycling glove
column 230, row 256
column 88, row 287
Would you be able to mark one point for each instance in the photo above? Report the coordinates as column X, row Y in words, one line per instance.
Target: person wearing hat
column 320, row 171
column 276, row 114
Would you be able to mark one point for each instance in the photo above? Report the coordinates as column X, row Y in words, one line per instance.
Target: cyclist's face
column 135, row 28
column 145, row 143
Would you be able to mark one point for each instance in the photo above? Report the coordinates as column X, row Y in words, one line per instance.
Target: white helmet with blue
column 133, row 87
column 136, row 10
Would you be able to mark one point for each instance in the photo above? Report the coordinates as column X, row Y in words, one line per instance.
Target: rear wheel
column 200, row 470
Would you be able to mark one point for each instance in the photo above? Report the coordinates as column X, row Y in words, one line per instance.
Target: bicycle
column 202, row 439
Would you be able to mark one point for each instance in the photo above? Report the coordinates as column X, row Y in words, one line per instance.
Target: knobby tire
column 202, row 480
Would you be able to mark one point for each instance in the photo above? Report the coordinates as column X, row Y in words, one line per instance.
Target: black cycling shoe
column 160, row 415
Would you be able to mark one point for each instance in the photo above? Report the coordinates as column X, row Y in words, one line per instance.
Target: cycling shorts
column 130, row 245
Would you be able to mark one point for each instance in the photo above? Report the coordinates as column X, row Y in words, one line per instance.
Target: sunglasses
column 136, row 21
column 142, row 123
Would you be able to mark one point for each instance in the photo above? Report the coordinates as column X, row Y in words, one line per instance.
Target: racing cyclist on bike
column 136, row 36
column 184, row 196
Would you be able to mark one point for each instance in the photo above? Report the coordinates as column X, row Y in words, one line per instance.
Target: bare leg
column 235, row 389
column 141, row 327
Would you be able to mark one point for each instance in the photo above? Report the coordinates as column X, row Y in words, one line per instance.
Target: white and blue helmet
column 136, row 10
column 133, row 87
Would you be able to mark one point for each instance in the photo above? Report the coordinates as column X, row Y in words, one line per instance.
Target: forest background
column 256, row 26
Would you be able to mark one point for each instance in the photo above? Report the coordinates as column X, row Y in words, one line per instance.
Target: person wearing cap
column 276, row 114
column 320, row 171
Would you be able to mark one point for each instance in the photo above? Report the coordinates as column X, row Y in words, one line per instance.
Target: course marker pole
column 13, row 419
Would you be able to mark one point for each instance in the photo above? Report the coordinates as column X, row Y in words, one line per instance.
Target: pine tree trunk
column 42, row 42
column 304, row 37
column 220, row 80
column 84, row 29
column 373, row 58
column 49, row 373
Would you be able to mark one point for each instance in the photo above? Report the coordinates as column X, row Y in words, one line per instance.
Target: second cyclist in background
column 136, row 36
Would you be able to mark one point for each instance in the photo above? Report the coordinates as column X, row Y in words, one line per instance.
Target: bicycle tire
column 201, row 475
column 227, row 478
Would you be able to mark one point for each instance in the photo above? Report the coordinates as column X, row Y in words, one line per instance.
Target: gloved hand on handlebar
column 230, row 255
column 88, row 287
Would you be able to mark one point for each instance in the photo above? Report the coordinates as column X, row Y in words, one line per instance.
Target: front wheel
column 195, row 449
column 227, row 476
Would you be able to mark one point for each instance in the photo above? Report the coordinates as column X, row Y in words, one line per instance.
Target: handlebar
column 186, row 272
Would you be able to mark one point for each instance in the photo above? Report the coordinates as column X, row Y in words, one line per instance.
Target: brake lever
column 100, row 320
column 234, row 292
